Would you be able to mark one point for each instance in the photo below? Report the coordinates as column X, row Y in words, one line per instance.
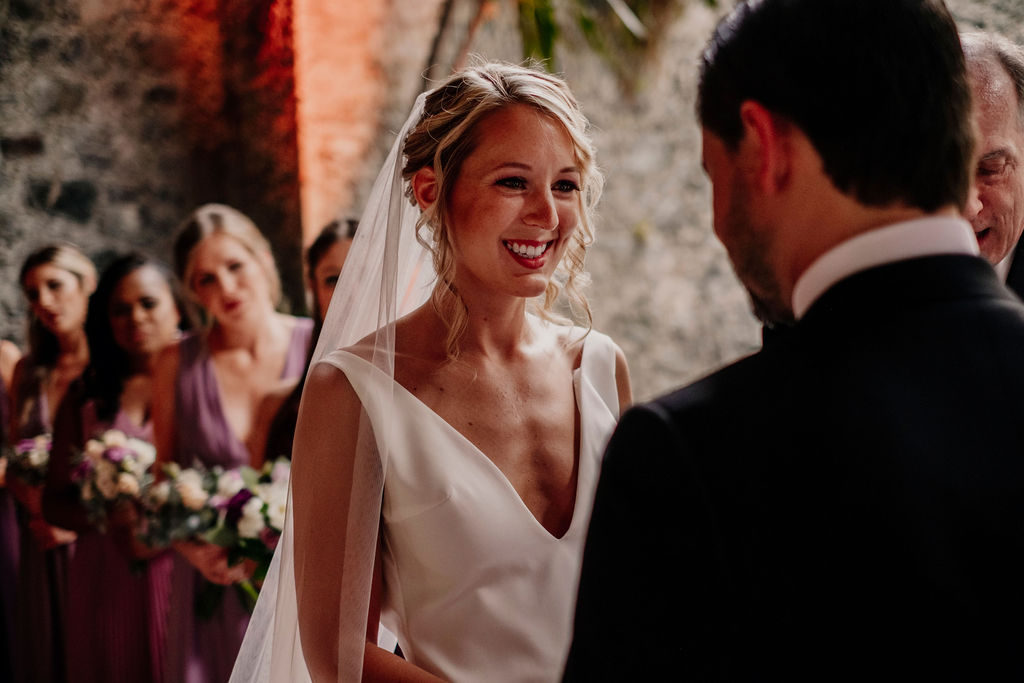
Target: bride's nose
column 541, row 211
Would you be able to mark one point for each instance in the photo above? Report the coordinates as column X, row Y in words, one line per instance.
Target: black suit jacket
column 845, row 504
column 1015, row 278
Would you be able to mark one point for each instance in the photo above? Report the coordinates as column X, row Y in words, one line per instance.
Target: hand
column 212, row 562
column 3, row 472
column 48, row 537
column 31, row 497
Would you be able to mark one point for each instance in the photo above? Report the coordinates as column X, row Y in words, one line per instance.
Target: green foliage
column 625, row 49
column 539, row 30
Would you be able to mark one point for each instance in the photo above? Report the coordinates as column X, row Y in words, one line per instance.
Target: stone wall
column 117, row 116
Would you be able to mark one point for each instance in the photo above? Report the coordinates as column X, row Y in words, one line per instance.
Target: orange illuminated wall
column 340, row 89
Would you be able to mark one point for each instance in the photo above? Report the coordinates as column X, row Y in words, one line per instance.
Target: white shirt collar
column 919, row 237
column 1003, row 267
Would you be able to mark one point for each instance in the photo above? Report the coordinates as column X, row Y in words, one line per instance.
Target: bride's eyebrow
column 516, row 165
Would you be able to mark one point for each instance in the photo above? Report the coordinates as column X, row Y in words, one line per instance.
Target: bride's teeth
column 526, row 251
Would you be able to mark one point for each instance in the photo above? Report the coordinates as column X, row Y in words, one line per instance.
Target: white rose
column 277, row 504
column 106, row 479
column 145, row 453
column 38, row 457
column 128, row 484
column 229, row 483
column 94, row 449
column 250, row 524
column 190, row 487
column 114, row 437
column 159, row 494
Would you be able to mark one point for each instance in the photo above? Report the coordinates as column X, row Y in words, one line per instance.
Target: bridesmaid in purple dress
column 117, row 594
column 9, row 355
column 57, row 280
column 217, row 380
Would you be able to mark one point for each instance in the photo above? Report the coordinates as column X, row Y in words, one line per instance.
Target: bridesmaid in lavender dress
column 117, row 594
column 218, row 379
column 57, row 280
column 9, row 355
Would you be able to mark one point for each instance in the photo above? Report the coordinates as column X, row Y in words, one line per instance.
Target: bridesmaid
column 9, row 356
column 275, row 424
column 116, row 612
column 57, row 280
column 214, row 383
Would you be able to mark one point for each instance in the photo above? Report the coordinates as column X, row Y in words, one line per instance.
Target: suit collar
column 892, row 289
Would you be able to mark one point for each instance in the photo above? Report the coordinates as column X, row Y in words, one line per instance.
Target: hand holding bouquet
column 111, row 469
column 28, row 460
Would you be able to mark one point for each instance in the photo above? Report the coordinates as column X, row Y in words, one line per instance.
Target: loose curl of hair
column 446, row 135
column 214, row 219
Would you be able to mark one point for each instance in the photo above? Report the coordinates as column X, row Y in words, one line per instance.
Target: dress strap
column 598, row 365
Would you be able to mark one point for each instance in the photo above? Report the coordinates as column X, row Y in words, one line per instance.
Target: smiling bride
column 446, row 458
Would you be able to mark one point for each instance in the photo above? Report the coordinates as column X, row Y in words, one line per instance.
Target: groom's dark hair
column 879, row 87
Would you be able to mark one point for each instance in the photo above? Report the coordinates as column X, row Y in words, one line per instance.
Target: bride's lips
column 528, row 253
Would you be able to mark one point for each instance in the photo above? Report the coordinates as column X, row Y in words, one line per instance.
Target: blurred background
column 117, row 117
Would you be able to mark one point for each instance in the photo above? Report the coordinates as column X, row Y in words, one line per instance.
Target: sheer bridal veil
column 387, row 274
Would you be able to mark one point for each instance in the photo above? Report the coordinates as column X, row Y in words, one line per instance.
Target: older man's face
column 996, row 205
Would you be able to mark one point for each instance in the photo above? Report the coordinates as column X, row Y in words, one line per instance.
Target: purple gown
column 117, row 608
column 8, row 555
column 204, row 650
column 40, row 636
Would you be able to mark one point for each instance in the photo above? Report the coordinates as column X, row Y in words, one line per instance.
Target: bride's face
column 515, row 203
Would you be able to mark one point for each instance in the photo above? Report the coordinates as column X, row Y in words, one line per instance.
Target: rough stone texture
column 118, row 116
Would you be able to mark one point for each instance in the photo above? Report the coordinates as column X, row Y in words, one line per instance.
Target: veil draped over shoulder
column 387, row 274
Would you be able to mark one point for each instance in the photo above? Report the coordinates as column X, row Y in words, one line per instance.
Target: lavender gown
column 204, row 651
column 117, row 611
column 40, row 634
column 8, row 555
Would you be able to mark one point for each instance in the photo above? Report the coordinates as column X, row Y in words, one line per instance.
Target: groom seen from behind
column 846, row 503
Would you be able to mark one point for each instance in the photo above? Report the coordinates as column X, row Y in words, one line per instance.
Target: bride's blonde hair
column 445, row 136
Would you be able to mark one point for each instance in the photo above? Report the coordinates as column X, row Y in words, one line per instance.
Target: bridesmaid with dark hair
column 278, row 413
column 57, row 280
column 9, row 356
column 117, row 604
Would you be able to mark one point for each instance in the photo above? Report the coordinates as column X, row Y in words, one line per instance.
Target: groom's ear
column 424, row 187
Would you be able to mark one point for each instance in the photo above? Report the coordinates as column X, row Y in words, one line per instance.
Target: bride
column 445, row 463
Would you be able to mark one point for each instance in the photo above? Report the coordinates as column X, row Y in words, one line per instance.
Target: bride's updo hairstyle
column 446, row 135
column 212, row 219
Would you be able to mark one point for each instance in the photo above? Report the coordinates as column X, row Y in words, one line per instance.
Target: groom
column 848, row 503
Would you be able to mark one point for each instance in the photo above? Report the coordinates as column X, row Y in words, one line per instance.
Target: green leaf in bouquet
column 221, row 535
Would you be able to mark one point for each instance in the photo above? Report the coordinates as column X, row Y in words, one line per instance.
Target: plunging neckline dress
column 204, row 650
column 475, row 587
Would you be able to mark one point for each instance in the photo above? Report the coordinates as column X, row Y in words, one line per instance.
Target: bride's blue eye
column 566, row 186
column 513, row 183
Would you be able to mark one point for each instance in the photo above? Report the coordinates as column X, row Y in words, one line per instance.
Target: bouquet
column 112, row 468
column 177, row 508
column 28, row 459
column 251, row 508
column 241, row 510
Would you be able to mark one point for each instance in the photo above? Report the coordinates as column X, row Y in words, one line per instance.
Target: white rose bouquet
column 28, row 459
column 178, row 507
column 111, row 468
column 251, row 507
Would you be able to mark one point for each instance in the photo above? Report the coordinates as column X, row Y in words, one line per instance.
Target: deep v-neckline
column 580, row 462
column 218, row 402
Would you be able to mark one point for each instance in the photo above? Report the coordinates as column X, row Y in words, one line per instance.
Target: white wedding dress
column 476, row 589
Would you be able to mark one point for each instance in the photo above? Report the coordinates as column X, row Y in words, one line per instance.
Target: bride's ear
column 424, row 187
